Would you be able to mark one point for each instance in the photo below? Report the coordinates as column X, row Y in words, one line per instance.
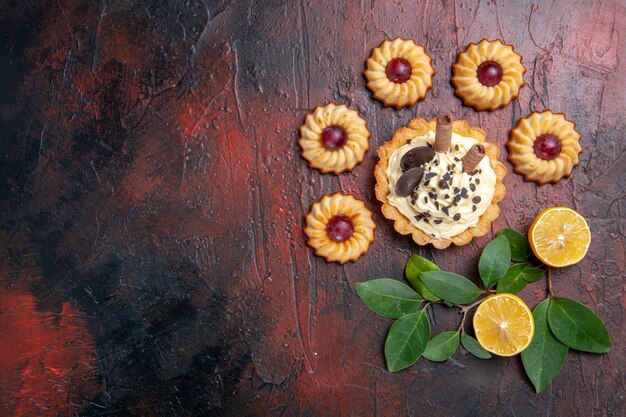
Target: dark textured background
column 152, row 200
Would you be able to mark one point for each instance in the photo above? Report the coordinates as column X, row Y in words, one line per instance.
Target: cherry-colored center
column 334, row 137
column 398, row 70
column 340, row 228
column 547, row 147
column 489, row 73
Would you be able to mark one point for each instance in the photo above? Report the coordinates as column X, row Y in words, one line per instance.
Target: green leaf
column 577, row 326
column 533, row 274
column 442, row 346
column 416, row 265
column 520, row 248
column 494, row 261
column 474, row 347
column 545, row 356
column 451, row 287
column 388, row 297
column 407, row 340
column 513, row 281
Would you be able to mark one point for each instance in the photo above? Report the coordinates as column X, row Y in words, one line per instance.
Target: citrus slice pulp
column 504, row 324
column 559, row 236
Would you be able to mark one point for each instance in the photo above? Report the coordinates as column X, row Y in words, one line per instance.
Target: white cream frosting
column 431, row 217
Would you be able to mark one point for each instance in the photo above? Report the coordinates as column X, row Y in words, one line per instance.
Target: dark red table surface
column 152, row 202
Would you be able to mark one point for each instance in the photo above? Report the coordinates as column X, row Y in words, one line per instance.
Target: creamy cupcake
column 440, row 181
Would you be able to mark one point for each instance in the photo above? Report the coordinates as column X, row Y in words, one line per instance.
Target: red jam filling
column 547, row 147
column 340, row 228
column 489, row 73
column 334, row 137
column 398, row 70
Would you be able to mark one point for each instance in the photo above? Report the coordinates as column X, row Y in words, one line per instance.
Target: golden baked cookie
column 451, row 203
column 544, row 147
column 334, row 138
column 339, row 227
column 488, row 75
column 399, row 73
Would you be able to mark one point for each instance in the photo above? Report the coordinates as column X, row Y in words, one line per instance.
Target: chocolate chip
column 416, row 157
column 472, row 187
column 473, row 208
column 437, row 205
column 477, row 180
column 446, row 176
column 457, row 198
column 456, row 190
column 425, row 199
column 447, row 196
column 457, row 217
column 432, row 195
column 437, row 221
column 426, row 214
column 408, row 181
column 442, row 184
column 427, row 183
column 476, row 200
column 474, row 172
column 418, row 217
column 464, row 192
column 457, row 159
column 456, row 147
column 445, row 210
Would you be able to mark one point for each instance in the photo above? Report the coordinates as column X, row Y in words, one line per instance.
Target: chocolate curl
column 472, row 158
column 443, row 133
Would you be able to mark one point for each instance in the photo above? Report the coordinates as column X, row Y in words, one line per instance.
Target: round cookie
column 334, row 138
column 339, row 227
column 544, row 147
column 488, row 75
column 399, row 73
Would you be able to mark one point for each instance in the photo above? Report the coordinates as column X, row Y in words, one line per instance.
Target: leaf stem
column 463, row 309
column 462, row 321
column 466, row 308
column 429, row 303
column 550, row 291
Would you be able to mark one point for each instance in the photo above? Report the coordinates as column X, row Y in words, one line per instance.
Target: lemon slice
column 504, row 324
column 559, row 236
